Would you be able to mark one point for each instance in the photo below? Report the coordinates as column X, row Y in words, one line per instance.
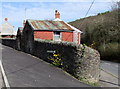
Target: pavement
column 24, row 70
column 110, row 67
column 107, row 80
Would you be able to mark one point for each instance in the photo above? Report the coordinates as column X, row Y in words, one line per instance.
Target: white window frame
column 59, row 35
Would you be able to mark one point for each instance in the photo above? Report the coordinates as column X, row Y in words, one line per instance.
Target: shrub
column 110, row 51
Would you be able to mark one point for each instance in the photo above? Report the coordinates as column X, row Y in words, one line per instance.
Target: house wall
column 79, row 37
column 27, row 39
column 47, row 35
column 67, row 36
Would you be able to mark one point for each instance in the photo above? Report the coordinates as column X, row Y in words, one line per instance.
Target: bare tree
column 115, row 5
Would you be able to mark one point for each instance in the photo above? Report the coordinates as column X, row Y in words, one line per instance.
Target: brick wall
column 48, row 35
column 67, row 36
column 43, row 35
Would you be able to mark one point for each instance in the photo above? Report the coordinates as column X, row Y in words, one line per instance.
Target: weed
column 56, row 60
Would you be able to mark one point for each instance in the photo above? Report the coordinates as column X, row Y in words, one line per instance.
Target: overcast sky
column 70, row 10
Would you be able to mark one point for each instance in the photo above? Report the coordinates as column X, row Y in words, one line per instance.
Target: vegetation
column 102, row 32
column 56, row 60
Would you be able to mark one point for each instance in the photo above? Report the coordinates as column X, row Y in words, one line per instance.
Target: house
column 56, row 30
column 7, row 30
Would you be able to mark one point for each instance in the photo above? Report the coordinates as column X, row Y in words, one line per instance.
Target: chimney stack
column 57, row 14
column 6, row 19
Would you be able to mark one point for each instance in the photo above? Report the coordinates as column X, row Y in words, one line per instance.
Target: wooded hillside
column 102, row 32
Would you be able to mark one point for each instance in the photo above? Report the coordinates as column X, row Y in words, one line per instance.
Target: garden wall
column 11, row 42
column 79, row 60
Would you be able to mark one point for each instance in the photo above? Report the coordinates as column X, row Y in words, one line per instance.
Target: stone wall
column 11, row 42
column 78, row 60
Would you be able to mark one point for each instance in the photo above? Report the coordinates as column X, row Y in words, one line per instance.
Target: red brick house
column 56, row 30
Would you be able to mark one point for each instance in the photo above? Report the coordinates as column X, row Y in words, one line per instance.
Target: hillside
column 101, row 32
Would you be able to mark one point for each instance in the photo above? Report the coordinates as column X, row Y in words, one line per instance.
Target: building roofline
column 63, row 30
column 74, row 28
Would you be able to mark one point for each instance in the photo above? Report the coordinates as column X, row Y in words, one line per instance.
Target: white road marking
column 4, row 76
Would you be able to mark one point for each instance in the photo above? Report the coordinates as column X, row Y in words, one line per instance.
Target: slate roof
column 6, row 29
column 49, row 25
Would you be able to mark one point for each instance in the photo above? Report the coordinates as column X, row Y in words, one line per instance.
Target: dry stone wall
column 79, row 60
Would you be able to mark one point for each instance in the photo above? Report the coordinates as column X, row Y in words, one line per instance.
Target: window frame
column 60, row 35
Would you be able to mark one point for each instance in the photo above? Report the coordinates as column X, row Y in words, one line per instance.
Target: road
column 23, row 70
column 109, row 74
column 110, row 67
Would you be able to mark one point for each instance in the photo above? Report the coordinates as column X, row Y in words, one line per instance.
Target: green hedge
column 110, row 51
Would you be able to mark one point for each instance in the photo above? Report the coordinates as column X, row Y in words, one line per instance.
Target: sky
column 18, row 10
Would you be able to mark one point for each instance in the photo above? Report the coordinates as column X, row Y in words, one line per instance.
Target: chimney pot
column 57, row 14
column 6, row 19
column 56, row 11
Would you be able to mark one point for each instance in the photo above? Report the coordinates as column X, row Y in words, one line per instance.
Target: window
column 57, row 36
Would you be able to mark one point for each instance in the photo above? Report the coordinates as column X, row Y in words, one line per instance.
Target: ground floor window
column 57, row 36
